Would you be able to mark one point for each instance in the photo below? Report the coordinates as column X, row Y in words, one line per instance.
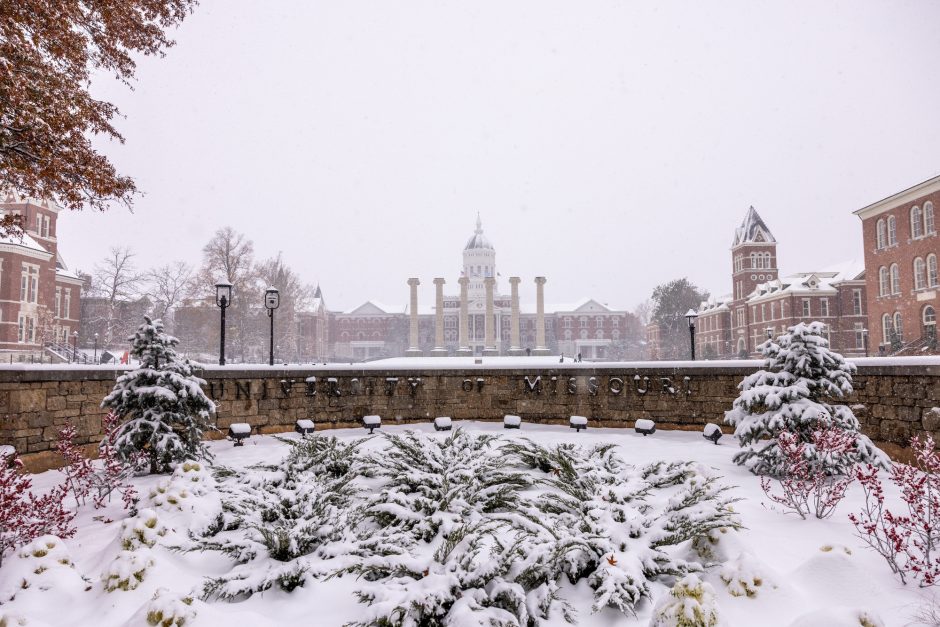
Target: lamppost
column 770, row 333
column 223, row 298
column 691, row 316
column 865, row 340
column 96, row 348
column 272, row 299
column 75, row 345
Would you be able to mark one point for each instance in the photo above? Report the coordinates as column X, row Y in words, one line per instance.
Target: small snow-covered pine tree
column 162, row 403
column 791, row 394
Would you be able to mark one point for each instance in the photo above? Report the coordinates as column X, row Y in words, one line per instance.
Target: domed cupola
column 479, row 259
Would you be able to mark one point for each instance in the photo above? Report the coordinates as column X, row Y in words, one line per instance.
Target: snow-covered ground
column 812, row 572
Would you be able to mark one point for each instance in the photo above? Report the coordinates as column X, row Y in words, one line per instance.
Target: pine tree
column 792, row 394
column 164, row 408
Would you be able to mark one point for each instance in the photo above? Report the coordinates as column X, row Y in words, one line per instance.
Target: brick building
column 899, row 234
column 40, row 298
column 762, row 302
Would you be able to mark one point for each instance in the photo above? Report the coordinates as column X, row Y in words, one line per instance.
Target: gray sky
column 610, row 146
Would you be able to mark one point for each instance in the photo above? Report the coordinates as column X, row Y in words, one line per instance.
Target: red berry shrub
column 909, row 542
column 807, row 483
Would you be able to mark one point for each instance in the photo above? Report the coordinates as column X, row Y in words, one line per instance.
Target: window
column 615, row 321
column 584, row 334
column 58, row 302
column 740, row 317
column 917, row 225
column 763, row 312
column 886, row 329
column 21, row 329
column 929, row 228
column 806, row 308
column 859, row 335
column 567, row 322
column 898, row 329
column 929, row 316
column 767, row 263
column 567, row 334
column 883, row 281
column 880, row 235
column 600, row 334
column 615, row 334
column 857, row 302
column 824, row 307
column 920, row 274
column 932, row 270
column 583, row 322
column 895, row 279
column 24, row 288
column 773, row 311
column 892, row 231
column 753, row 260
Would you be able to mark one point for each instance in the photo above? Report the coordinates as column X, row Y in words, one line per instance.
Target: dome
column 478, row 240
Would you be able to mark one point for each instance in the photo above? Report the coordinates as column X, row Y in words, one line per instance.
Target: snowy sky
column 609, row 146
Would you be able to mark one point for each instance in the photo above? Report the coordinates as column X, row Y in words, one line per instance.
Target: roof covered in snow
column 713, row 304
column 26, row 242
column 821, row 282
column 752, row 230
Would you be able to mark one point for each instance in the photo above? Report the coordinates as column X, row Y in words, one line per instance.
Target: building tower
column 479, row 262
column 754, row 261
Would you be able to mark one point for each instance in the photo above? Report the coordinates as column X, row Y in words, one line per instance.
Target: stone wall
column 892, row 402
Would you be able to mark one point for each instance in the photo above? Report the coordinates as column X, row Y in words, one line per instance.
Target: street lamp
column 223, row 298
column 865, row 340
column 96, row 348
column 75, row 345
column 770, row 333
column 691, row 316
column 272, row 300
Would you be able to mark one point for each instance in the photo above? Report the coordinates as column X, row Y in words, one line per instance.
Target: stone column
column 414, row 348
column 439, row 350
column 489, row 328
column 514, row 343
column 463, row 347
column 540, row 348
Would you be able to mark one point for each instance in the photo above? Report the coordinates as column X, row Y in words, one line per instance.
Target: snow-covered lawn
column 804, row 573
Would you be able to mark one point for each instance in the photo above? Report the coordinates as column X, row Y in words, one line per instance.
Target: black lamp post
column 865, row 340
column 691, row 316
column 96, row 348
column 75, row 345
column 223, row 298
column 770, row 333
column 272, row 300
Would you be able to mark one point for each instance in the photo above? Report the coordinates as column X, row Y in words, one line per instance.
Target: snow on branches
column 910, row 542
column 81, row 476
column 25, row 516
column 162, row 402
column 464, row 529
column 791, row 394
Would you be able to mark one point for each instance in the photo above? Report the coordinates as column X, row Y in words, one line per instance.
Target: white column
column 439, row 349
column 514, row 343
column 489, row 327
column 540, row 348
column 414, row 349
column 463, row 347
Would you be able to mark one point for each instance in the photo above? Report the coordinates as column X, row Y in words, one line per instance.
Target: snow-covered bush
column 82, row 478
column 127, row 570
column 162, row 403
column 806, row 485
column 168, row 609
column 690, row 603
column 195, row 476
column 744, row 575
column 25, row 516
column 287, row 512
column 43, row 564
column 792, row 394
column 910, row 542
column 169, row 495
column 144, row 529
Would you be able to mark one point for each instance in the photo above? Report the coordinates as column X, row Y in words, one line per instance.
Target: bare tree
column 295, row 296
column 116, row 281
column 167, row 286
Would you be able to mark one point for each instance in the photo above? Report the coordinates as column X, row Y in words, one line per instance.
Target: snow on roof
column 719, row 303
column 851, row 270
column 819, row 282
column 752, row 230
column 375, row 308
column 27, row 241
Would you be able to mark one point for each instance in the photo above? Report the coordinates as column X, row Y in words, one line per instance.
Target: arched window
column 932, row 280
column 883, row 281
column 892, row 231
column 600, row 334
column 584, row 334
column 742, row 346
column 917, row 224
column 753, row 260
column 920, row 279
column 929, row 315
column 767, row 263
column 615, row 334
column 929, row 227
column 895, row 279
column 897, row 326
column 567, row 334
column 880, row 235
column 886, row 329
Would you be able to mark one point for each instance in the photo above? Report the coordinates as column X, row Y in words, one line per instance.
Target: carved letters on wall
column 532, row 385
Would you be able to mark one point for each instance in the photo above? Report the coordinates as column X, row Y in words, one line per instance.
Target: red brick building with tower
column 763, row 302
column 901, row 256
column 40, row 298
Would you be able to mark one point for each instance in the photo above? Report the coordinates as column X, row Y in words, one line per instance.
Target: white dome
column 478, row 240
